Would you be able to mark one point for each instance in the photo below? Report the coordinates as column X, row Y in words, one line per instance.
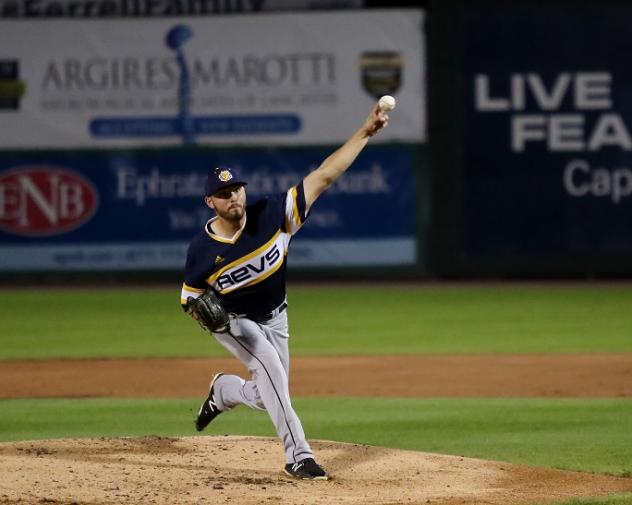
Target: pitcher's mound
column 213, row 470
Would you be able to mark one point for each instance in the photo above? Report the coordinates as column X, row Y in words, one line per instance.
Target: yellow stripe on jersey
column 292, row 215
column 189, row 291
column 254, row 281
column 297, row 215
column 195, row 290
column 288, row 226
column 219, row 238
column 243, row 259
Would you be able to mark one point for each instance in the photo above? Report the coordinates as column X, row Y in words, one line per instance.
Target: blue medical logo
column 177, row 37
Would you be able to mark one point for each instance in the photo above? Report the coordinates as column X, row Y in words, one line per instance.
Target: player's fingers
column 379, row 119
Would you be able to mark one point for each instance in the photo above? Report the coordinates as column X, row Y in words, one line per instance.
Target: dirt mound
column 247, row 471
column 530, row 375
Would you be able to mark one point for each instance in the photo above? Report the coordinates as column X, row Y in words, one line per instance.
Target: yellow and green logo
column 12, row 89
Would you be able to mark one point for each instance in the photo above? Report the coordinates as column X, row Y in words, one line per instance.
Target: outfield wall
column 138, row 209
column 515, row 162
column 530, row 138
column 105, row 144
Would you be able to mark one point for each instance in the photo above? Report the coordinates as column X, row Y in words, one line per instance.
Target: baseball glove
column 207, row 310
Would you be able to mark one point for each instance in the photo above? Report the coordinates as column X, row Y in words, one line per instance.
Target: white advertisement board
column 147, row 8
column 279, row 79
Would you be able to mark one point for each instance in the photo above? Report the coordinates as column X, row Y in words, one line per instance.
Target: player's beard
column 233, row 214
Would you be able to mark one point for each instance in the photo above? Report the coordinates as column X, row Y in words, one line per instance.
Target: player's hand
column 193, row 314
column 375, row 122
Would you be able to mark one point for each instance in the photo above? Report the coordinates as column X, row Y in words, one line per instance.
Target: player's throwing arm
column 340, row 160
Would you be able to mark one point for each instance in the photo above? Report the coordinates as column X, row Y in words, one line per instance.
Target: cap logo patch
column 225, row 176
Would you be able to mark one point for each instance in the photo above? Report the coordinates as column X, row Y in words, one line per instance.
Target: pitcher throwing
column 240, row 256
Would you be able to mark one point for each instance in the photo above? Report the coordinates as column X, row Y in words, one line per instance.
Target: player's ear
column 209, row 202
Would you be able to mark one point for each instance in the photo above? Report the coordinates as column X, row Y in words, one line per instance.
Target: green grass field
column 350, row 320
column 593, row 435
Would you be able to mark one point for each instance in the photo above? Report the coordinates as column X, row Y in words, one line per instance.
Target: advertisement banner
column 547, row 131
column 148, row 8
column 309, row 79
column 139, row 209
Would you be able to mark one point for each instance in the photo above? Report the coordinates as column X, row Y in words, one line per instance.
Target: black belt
column 264, row 318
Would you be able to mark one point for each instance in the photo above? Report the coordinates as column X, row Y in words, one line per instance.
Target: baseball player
column 240, row 254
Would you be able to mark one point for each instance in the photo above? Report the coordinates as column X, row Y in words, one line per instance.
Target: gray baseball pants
column 263, row 348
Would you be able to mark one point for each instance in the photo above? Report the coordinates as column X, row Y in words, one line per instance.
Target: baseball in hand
column 386, row 103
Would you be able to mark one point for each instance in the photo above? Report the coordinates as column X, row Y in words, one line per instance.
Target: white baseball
column 386, row 103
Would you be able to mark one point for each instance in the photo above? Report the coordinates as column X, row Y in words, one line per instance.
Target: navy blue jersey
column 247, row 271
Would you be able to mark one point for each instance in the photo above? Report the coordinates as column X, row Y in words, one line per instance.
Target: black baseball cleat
column 208, row 410
column 306, row 469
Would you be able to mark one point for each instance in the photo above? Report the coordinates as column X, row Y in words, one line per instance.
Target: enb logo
column 42, row 201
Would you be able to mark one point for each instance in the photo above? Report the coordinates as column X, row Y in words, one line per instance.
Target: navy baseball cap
column 220, row 178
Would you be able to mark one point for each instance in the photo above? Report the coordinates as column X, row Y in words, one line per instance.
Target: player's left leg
column 250, row 343
column 237, row 391
column 276, row 331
